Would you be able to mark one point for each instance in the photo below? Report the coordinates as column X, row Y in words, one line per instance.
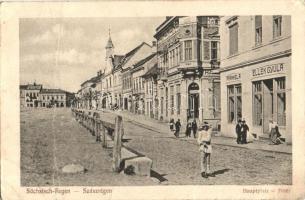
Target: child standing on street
column 205, row 148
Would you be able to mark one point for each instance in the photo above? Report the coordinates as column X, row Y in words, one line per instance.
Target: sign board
column 233, row 77
column 268, row 70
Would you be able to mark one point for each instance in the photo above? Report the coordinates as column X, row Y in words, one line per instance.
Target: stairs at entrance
column 264, row 137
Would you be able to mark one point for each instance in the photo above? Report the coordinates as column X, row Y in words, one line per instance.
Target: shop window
column 281, row 102
column 277, row 26
column 234, row 103
column 258, row 103
column 233, row 39
column 188, row 50
column 258, row 30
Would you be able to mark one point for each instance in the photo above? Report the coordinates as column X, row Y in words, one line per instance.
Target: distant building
column 256, row 73
column 29, row 95
column 34, row 96
column 52, row 97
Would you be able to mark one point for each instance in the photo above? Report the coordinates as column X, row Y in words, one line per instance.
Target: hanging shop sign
column 267, row 70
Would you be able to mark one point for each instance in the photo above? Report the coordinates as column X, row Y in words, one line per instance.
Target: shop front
column 258, row 93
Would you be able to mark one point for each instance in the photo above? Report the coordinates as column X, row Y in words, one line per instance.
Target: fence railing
column 102, row 130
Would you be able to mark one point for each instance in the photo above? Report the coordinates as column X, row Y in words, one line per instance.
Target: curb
column 220, row 144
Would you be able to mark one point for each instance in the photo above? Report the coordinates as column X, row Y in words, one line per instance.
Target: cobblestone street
column 51, row 138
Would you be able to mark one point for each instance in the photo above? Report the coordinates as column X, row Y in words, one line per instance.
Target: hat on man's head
column 239, row 120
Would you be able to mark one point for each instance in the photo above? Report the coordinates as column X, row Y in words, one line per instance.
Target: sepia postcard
column 153, row 100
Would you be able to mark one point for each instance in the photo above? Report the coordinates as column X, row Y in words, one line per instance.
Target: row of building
column 34, row 96
column 204, row 68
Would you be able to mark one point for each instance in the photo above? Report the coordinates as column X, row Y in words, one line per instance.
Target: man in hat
column 244, row 130
column 205, row 148
column 238, row 131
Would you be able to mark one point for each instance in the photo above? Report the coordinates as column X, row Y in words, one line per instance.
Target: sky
column 64, row 52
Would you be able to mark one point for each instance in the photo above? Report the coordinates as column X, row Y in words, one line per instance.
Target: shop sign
column 233, row 77
column 269, row 69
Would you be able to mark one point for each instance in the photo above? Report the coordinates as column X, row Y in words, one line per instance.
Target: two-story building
column 29, row 95
column 256, row 73
column 188, row 61
column 53, row 98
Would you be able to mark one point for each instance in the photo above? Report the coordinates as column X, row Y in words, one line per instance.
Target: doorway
column 268, row 104
column 193, row 101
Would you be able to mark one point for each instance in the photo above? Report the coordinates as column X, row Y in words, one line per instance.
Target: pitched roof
column 117, row 59
column 131, row 53
column 48, row 91
column 152, row 71
column 144, row 60
column 34, row 87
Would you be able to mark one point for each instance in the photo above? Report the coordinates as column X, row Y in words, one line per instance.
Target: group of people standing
column 190, row 127
column 241, row 130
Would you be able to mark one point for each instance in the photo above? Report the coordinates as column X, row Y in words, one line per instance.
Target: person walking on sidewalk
column 194, row 127
column 188, row 129
column 171, row 124
column 244, row 131
column 177, row 127
column 205, row 148
column 238, row 131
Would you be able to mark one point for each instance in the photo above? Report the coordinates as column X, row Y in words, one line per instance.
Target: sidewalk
column 163, row 127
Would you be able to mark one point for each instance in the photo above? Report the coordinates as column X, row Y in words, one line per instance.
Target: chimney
column 154, row 46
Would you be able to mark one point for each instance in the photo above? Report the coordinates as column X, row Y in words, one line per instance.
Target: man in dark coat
column 194, row 127
column 244, row 131
column 238, row 131
column 177, row 126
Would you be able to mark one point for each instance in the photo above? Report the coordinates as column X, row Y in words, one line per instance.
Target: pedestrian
column 194, row 127
column 205, row 148
column 244, row 131
column 238, row 131
column 274, row 134
column 177, row 127
column 171, row 124
column 188, row 129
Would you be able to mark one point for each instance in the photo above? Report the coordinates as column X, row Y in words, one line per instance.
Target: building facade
column 188, row 63
column 256, row 74
column 34, row 96
column 139, row 83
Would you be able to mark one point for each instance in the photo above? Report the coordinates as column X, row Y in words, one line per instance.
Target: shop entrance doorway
column 193, row 101
column 268, row 104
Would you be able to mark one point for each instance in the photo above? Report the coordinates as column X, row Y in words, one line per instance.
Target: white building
column 256, row 73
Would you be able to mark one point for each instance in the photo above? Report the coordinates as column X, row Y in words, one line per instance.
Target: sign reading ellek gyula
column 269, row 69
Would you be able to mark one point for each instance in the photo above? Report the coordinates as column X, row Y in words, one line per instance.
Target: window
column 233, row 39
column 258, row 30
column 214, row 50
column 257, row 103
column 178, row 93
column 281, row 102
column 234, row 103
column 277, row 26
column 188, row 50
column 172, row 99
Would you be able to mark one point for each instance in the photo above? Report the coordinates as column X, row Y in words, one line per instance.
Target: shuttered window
column 206, row 50
column 258, row 29
column 233, row 34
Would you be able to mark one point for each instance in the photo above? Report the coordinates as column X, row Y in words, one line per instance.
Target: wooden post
column 117, row 144
column 104, row 139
